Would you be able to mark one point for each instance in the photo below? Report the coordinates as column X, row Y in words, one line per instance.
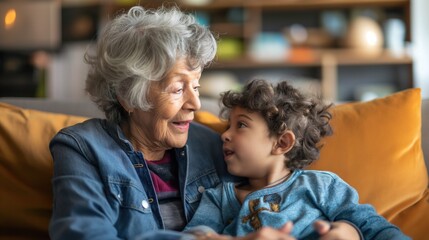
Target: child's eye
column 241, row 125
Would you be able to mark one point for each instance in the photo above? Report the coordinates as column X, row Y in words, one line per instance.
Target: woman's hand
column 336, row 230
column 327, row 231
column 265, row 233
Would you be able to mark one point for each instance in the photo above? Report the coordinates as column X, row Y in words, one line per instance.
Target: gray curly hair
column 139, row 47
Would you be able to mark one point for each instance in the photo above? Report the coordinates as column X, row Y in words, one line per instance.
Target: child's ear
column 285, row 143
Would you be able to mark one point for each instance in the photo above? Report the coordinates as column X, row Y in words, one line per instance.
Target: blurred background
column 346, row 50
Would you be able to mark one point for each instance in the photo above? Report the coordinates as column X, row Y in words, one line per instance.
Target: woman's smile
column 182, row 126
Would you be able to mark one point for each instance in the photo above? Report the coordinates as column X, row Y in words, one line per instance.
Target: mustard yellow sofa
column 376, row 147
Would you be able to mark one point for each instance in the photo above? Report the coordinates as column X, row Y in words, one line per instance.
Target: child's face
column 247, row 145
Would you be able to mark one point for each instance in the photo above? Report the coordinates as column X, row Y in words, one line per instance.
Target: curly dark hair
column 285, row 108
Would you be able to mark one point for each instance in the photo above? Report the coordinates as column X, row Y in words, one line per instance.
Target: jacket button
column 182, row 153
column 201, row 189
column 150, row 200
column 145, row 204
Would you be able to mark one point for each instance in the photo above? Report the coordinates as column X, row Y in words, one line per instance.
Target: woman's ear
column 285, row 143
column 125, row 105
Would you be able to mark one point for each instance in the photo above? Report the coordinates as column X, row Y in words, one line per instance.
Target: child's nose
column 225, row 136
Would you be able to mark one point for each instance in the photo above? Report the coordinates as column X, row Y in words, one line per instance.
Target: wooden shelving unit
column 322, row 3
column 342, row 58
column 329, row 62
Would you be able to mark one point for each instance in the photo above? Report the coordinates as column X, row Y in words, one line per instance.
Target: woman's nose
column 192, row 101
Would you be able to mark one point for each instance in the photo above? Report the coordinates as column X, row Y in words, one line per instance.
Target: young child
column 273, row 133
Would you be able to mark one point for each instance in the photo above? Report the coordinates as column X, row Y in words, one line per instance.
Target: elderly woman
column 141, row 171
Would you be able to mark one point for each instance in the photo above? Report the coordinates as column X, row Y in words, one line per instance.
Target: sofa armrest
column 425, row 131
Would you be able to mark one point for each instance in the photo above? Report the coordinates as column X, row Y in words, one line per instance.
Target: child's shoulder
column 317, row 180
column 319, row 174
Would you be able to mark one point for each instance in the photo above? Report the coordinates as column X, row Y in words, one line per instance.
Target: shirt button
column 201, row 189
column 182, row 153
column 145, row 204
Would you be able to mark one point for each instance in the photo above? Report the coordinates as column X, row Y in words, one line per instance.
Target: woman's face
column 174, row 101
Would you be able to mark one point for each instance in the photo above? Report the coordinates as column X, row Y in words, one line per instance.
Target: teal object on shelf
column 269, row 46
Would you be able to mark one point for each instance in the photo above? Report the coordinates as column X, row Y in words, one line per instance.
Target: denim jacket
column 103, row 190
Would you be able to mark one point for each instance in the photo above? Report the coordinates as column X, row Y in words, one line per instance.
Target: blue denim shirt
column 305, row 197
column 103, row 190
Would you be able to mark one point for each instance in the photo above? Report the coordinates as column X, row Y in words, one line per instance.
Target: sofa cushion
column 26, row 170
column 376, row 148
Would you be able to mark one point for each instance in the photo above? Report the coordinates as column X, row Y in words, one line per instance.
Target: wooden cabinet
column 341, row 71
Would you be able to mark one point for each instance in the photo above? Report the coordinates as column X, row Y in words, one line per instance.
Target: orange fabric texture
column 376, row 148
column 211, row 121
column 26, row 170
column 414, row 220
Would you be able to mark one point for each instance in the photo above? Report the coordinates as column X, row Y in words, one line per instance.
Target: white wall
column 420, row 43
column 67, row 73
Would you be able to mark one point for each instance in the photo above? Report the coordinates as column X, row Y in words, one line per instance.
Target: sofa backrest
column 89, row 109
column 403, row 191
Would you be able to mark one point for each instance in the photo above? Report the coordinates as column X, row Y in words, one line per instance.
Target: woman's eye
column 179, row 91
column 241, row 125
column 196, row 88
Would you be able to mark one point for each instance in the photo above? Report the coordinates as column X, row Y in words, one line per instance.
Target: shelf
column 340, row 56
column 333, row 65
column 227, row 29
column 302, row 4
column 354, row 57
column 217, row 4
column 247, row 62
column 214, row 4
column 80, row 3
